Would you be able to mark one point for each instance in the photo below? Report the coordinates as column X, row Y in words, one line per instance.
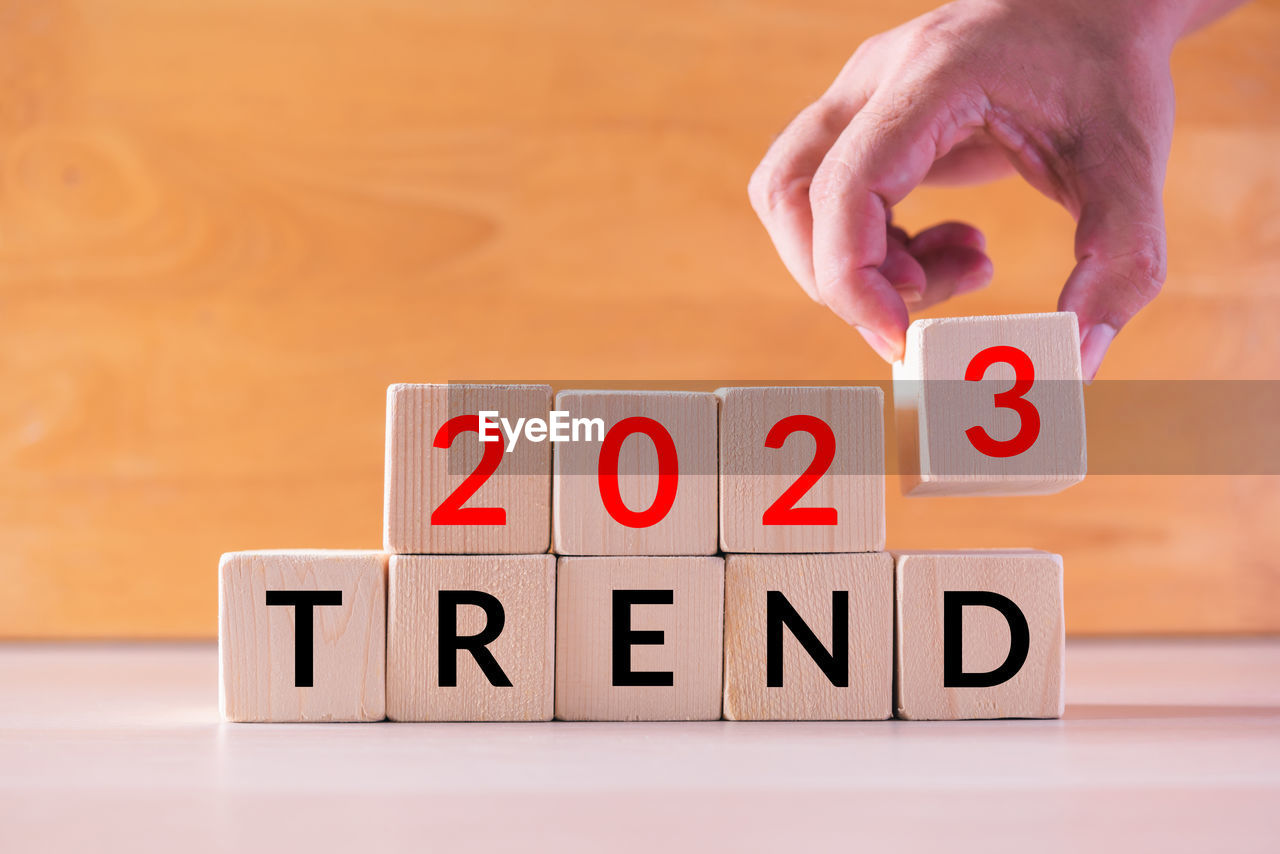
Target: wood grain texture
column 936, row 404
column 580, row 520
column 753, row 476
column 692, row 638
column 227, row 225
column 807, row 582
column 256, row 641
column 1032, row 580
column 525, row 585
column 420, row 475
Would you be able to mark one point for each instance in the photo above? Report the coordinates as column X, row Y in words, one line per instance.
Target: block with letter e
column 639, row 638
column 990, row 405
column 448, row 492
column 808, row 637
column 302, row 635
column 471, row 637
column 980, row 634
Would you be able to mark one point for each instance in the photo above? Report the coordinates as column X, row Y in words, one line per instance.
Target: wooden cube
column 471, row 637
column 639, row 638
column 447, row 492
column 646, row 482
column 302, row 635
column 980, row 634
column 801, row 469
column 990, row 405
column 808, row 637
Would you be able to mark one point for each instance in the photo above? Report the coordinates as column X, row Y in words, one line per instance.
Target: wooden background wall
column 227, row 225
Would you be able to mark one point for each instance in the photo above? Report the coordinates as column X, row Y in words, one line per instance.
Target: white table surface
column 1166, row 746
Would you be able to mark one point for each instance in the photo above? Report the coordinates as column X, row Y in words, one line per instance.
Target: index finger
column 877, row 160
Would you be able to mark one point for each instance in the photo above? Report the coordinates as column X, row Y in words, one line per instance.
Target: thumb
column 1120, row 258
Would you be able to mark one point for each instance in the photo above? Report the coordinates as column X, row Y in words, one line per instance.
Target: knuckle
column 829, row 183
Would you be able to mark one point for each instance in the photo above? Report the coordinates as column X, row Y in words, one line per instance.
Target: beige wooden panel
column 227, row 225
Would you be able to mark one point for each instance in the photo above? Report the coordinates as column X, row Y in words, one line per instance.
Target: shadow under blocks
column 673, row 555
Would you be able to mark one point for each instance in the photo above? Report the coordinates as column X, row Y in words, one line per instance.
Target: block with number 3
column 991, row 405
column 447, row 492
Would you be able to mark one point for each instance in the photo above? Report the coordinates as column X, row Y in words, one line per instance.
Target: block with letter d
column 991, row 405
column 980, row 634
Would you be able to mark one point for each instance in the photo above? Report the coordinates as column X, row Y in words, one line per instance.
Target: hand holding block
column 447, row 492
column 808, row 637
column 980, row 634
column 648, row 487
column 991, row 405
column 471, row 637
column 801, row 470
column 302, row 635
column 639, row 638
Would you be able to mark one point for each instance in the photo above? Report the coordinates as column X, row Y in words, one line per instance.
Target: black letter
column 624, row 638
column 450, row 643
column 953, row 603
column 303, row 602
column 834, row 665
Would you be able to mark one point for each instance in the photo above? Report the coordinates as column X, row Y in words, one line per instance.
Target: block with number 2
column 991, row 405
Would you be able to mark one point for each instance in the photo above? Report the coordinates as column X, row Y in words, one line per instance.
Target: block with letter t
column 449, row 492
column 990, row 405
column 302, row 635
column 980, row 634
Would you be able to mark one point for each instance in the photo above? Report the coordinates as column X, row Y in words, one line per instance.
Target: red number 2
column 451, row 511
column 668, row 472
column 1028, row 416
column 784, row 511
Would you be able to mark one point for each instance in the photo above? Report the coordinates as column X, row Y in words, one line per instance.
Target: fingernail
column 881, row 346
column 1093, row 346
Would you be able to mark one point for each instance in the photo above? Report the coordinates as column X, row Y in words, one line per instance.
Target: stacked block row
column 718, row 554
column 921, row 635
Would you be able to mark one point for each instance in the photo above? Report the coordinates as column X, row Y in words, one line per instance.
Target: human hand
column 1074, row 95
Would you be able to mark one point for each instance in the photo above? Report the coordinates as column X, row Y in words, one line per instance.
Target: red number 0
column 1028, row 416
column 668, row 472
column 784, row 511
column 451, row 511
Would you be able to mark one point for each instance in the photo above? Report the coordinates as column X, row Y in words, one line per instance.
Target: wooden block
column 449, row 493
column 639, row 638
column 808, row 637
column 990, row 405
column 801, row 470
column 302, row 635
column 649, row 488
column 979, row 635
column 471, row 637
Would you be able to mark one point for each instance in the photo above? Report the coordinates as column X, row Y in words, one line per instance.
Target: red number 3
column 1028, row 416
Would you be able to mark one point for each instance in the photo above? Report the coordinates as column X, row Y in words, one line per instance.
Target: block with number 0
column 447, row 492
column 801, row 469
column 645, row 482
column 991, row 405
